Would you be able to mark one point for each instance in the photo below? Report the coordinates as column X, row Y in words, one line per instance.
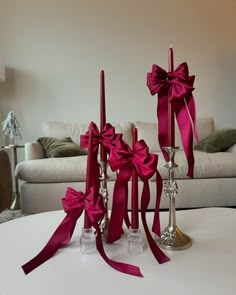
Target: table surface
column 207, row 267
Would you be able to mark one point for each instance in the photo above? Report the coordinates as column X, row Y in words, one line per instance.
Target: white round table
column 207, row 267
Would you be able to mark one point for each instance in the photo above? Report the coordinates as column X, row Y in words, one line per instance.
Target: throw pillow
column 55, row 147
column 217, row 141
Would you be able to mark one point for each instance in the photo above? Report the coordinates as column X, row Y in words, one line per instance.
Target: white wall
column 54, row 50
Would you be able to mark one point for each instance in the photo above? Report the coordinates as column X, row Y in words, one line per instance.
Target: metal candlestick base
column 15, row 205
column 171, row 237
column 104, row 224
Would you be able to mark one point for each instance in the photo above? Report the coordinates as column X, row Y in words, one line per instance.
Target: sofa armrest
column 232, row 149
column 33, row 151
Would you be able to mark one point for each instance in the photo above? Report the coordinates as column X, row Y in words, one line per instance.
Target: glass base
column 135, row 242
column 88, row 241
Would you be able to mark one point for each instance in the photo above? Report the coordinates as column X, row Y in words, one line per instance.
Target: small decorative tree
column 11, row 127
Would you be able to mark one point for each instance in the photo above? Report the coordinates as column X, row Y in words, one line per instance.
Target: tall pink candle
column 134, row 193
column 171, row 117
column 89, row 174
column 102, row 112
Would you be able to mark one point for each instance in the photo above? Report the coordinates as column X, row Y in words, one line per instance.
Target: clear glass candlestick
column 135, row 241
column 88, row 241
column 172, row 238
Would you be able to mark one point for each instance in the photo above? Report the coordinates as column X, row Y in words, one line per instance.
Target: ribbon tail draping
column 120, row 266
column 96, row 172
column 157, row 252
column 119, row 210
column 192, row 111
column 61, row 237
column 185, row 127
column 156, row 228
column 162, row 116
column 127, row 220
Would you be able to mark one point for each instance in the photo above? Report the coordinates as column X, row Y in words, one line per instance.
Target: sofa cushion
column 217, row 141
column 54, row 147
column 207, row 165
column 69, row 169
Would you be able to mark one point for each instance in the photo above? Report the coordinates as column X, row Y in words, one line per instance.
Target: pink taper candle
column 102, row 112
column 134, row 194
column 171, row 117
column 89, row 174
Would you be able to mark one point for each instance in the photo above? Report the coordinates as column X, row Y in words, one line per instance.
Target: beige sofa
column 43, row 181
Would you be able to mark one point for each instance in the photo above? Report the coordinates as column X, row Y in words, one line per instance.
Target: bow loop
column 120, row 156
column 84, row 139
column 157, row 80
column 94, row 207
column 144, row 162
column 109, row 137
column 73, row 203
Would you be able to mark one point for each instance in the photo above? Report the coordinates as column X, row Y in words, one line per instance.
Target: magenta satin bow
column 107, row 136
column 74, row 203
column 122, row 158
column 175, row 87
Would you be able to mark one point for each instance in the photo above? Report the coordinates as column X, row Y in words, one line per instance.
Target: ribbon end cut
column 140, row 274
column 130, row 270
column 164, row 260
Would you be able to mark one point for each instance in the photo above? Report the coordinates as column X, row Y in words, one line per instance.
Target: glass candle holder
column 88, row 241
column 135, row 241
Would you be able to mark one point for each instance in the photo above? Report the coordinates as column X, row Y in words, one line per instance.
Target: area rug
column 8, row 215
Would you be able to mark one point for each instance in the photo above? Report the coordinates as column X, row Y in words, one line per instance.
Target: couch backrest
column 146, row 131
column 60, row 129
column 149, row 132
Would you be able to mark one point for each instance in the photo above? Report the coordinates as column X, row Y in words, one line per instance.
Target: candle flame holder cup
column 88, row 241
column 104, row 224
column 171, row 237
column 135, row 241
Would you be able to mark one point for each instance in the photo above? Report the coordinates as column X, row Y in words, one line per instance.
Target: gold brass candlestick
column 171, row 237
column 104, row 224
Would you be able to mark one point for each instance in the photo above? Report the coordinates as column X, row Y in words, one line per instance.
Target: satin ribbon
column 122, row 158
column 175, row 88
column 74, row 203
